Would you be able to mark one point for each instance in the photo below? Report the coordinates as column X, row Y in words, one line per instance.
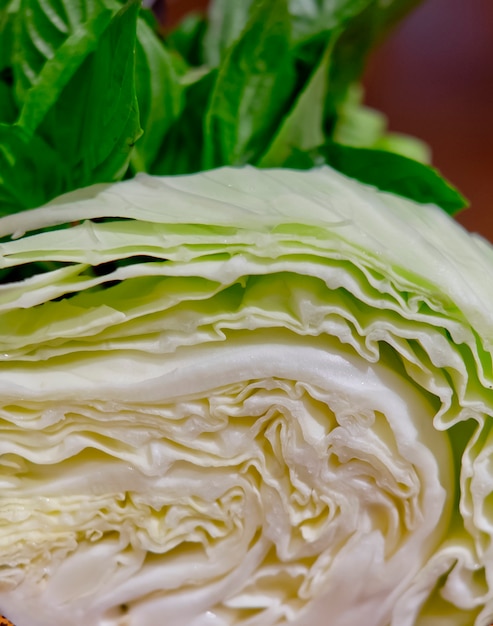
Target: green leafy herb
column 50, row 46
column 95, row 122
column 24, row 158
column 92, row 92
column 160, row 95
column 302, row 129
column 226, row 22
column 252, row 90
column 183, row 146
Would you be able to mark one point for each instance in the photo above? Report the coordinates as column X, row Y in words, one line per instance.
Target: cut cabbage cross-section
column 280, row 464
column 244, row 398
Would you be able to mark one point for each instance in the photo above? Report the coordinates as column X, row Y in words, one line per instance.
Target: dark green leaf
column 8, row 13
column 253, row 89
column 187, row 38
column 395, row 173
column 8, row 108
column 52, row 39
column 74, row 78
column 159, row 92
column 95, row 121
column 182, row 148
column 30, row 171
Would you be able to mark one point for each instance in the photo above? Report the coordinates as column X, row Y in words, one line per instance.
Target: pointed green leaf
column 182, row 147
column 95, row 121
column 52, row 39
column 253, row 89
column 30, row 171
column 159, row 92
column 227, row 18
column 302, row 128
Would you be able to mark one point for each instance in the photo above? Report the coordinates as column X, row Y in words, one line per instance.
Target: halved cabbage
column 245, row 398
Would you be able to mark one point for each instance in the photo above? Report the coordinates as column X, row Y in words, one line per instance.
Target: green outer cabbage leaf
column 241, row 397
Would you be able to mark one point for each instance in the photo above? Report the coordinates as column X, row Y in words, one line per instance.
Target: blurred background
column 433, row 78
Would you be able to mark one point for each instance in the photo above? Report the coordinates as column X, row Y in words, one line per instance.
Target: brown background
column 434, row 79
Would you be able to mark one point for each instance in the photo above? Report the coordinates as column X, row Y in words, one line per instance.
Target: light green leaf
column 405, row 145
column 226, row 20
column 360, row 126
column 356, row 124
column 302, row 129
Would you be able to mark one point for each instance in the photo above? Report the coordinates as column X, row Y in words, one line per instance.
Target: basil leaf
column 227, row 19
column 253, row 89
column 182, row 148
column 8, row 105
column 50, row 45
column 30, row 171
column 309, row 18
column 95, row 121
column 302, row 128
column 159, row 93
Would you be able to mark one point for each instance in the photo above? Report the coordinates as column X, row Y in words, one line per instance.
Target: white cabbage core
column 237, row 483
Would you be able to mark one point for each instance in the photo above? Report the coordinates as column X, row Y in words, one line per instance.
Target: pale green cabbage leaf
column 245, row 397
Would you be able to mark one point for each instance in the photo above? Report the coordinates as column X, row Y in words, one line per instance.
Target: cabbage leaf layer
column 243, row 397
